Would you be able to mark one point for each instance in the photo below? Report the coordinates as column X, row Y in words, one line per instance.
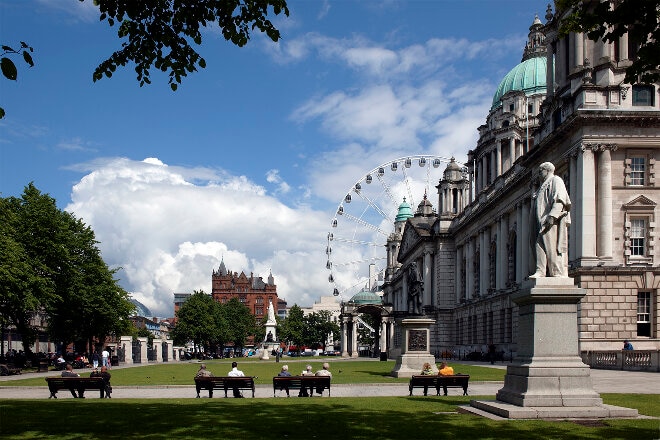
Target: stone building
column 252, row 291
column 565, row 103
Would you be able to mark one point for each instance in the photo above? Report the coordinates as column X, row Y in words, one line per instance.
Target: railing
column 637, row 360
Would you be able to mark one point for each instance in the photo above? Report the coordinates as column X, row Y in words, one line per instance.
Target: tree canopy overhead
column 159, row 33
column 609, row 20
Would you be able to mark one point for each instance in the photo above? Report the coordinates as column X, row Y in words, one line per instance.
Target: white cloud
column 168, row 233
column 76, row 10
column 273, row 176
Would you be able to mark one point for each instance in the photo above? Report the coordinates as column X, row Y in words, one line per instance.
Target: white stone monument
column 415, row 348
column 270, row 341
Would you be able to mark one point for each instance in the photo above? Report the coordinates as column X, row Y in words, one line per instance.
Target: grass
column 343, row 372
column 380, row 418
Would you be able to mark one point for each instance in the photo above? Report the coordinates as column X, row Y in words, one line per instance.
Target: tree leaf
column 2, row 112
column 28, row 58
column 173, row 86
column 8, row 68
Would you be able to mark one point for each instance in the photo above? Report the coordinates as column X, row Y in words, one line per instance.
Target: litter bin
column 383, row 355
column 114, row 361
column 43, row 365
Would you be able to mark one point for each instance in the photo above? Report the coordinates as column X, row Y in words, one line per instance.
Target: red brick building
column 251, row 291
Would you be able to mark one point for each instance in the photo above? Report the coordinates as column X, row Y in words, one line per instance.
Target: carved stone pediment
column 640, row 202
column 409, row 241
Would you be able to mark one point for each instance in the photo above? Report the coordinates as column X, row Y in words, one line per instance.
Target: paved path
column 604, row 381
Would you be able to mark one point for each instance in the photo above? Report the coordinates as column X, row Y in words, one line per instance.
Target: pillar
column 126, row 344
column 579, row 49
column 158, row 348
column 623, row 47
column 354, row 341
column 550, row 71
column 527, row 262
column 519, row 243
column 512, row 151
column 586, row 234
column 572, row 191
column 498, row 159
column 428, row 280
column 604, row 238
column 344, row 336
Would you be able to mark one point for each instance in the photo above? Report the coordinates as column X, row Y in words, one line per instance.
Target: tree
column 241, row 322
column 8, row 67
column 52, row 268
column 159, row 33
column 197, row 321
column 609, row 20
column 292, row 329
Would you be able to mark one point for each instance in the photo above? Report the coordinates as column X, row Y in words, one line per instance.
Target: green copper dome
column 405, row 212
column 528, row 76
column 366, row 297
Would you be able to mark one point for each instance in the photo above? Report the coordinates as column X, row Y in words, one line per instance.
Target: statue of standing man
column 549, row 220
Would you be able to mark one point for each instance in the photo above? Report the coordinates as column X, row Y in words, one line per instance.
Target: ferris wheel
column 355, row 250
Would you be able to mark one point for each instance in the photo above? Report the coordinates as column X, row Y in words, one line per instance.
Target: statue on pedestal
column 549, row 220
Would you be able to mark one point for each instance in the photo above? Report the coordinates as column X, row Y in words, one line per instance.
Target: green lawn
column 333, row 418
column 343, row 371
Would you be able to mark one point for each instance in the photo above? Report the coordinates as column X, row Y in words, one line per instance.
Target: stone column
column 126, row 344
column 344, row 336
column 484, row 177
column 383, row 335
column 623, row 47
column 604, row 219
column 354, row 339
column 499, row 244
column 519, row 244
column 527, row 263
column 503, row 259
column 572, row 190
column 550, row 71
column 457, row 273
column 579, row 49
column 469, row 261
column 143, row 349
column 498, row 159
column 158, row 348
column 512, row 151
column 586, row 235
column 485, row 262
column 428, row 279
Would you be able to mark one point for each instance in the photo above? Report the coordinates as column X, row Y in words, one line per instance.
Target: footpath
column 604, row 381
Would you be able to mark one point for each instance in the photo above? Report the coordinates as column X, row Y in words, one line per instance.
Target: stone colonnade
column 589, row 184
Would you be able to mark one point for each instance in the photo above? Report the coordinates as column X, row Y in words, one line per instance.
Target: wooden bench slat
column 319, row 383
column 80, row 384
column 224, row 383
column 437, row 382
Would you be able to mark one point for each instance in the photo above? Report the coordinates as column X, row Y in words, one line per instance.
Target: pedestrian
column 627, row 345
column 95, row 359
column 105, row 355
column 235, row 372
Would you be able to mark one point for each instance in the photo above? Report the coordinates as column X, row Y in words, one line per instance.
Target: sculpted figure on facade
column 415, row 289
column 549, row 220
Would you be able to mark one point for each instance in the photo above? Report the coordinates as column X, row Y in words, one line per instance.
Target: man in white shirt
column 235, row 372
column 105, row 355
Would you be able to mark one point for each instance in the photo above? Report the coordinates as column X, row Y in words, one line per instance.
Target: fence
column 634, row 360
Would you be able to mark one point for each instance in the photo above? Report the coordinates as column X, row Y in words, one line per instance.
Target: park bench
column 437, row 382
column 79, row 384
column 224, row 383
column 310, row 383
column 8, row 370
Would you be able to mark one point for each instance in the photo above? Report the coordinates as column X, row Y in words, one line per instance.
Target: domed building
column 565, row 103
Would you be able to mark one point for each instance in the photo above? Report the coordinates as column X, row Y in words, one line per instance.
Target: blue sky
column 250, row 158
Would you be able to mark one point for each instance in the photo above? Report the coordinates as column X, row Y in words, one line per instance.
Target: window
column 637, row 171
column 260, row 300
column 511, row 107
column 242, row 298
column 644, row 314
column 530, row 109
column 259, row 310
column 642, row 95
column 638, row 237
column 639, row 230
column 224, row 299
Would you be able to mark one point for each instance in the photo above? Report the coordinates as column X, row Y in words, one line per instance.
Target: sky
column 250, row 159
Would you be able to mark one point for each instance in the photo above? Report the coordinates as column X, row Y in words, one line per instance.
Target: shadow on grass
column 340, row 418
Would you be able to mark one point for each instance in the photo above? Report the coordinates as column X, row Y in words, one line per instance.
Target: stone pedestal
column 415, row 348
column 548, row 379
column 158, row 348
